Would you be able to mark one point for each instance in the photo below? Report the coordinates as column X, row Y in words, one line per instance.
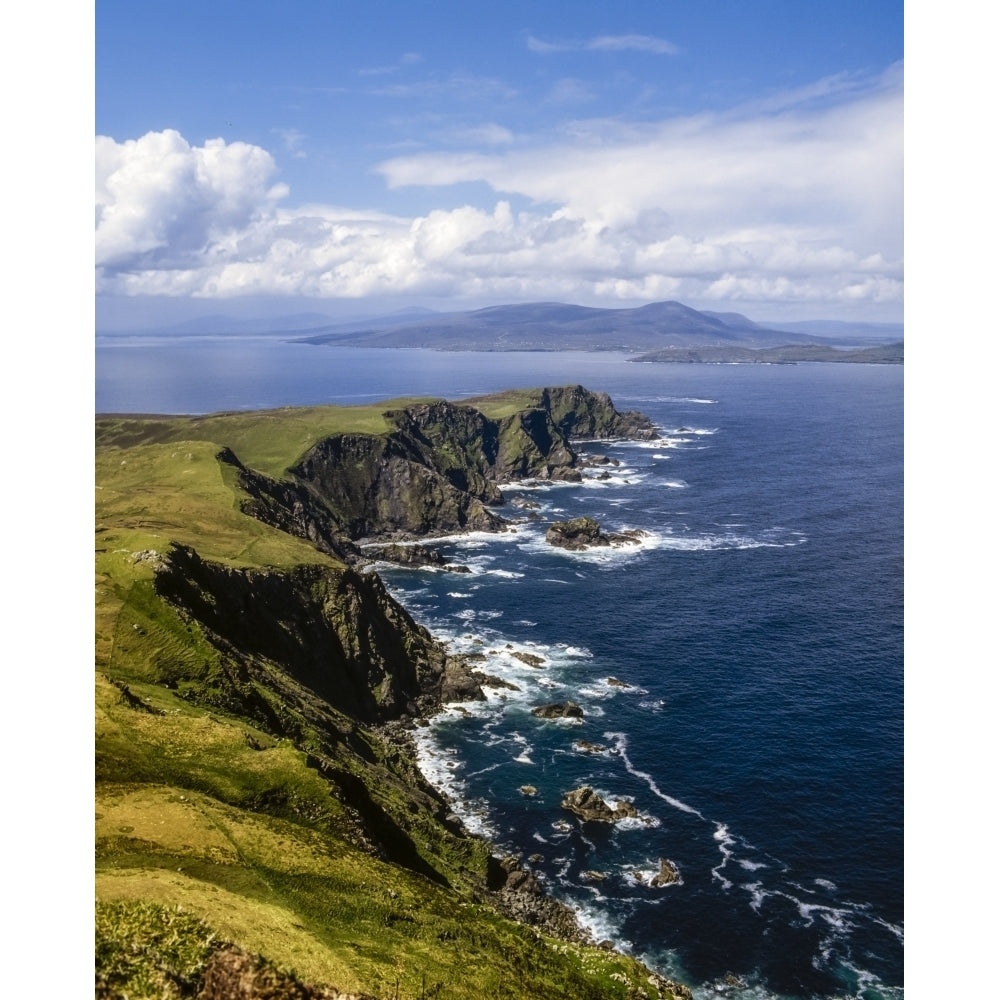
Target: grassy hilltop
column 262, row 830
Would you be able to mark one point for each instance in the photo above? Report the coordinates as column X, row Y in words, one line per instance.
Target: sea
column 740, row 669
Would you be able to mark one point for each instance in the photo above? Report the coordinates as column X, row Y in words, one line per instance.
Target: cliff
column 438, row 471
column 259, row 806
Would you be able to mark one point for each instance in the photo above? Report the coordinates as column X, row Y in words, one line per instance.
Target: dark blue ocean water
column 758, row 628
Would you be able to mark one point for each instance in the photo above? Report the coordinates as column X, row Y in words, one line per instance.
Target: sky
column 354, row 158
column 331, row 93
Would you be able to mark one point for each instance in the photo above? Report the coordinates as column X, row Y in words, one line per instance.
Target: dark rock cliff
column 580, row 413
column 439, row 470
column 292, row 508
column 335, row 632
column 384, row 487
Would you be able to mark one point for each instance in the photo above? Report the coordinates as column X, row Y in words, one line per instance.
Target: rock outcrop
column 519, row 895
column 415, row 556
column 585, row 533
column 559, row 710
column 667, row 875
column 590, row 807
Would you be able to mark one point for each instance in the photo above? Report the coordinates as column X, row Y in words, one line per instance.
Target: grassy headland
column 259, row 812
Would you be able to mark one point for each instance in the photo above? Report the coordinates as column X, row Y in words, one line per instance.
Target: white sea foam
column 621, row 744
column 593, row 692
column 774, row 538
column 623, row 477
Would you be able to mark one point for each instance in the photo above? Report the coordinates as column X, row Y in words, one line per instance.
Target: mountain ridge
column 555, row 326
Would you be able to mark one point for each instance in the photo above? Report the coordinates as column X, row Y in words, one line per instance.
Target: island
column 262, row 826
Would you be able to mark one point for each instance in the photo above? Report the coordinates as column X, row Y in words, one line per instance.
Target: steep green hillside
column 259, row 815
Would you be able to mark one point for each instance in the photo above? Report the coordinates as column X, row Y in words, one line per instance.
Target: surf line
column 721, row 836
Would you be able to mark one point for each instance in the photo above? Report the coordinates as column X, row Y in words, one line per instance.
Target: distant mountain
column 556, row 326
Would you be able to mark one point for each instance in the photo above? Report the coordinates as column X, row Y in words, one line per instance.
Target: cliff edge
column 261, row 818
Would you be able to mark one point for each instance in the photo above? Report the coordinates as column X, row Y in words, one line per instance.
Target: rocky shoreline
column 321, row 657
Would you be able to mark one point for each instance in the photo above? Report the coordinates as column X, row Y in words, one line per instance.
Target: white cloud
column 801, row 205
column 633, row 43
column 605, row 43
column 163, row 201
column 837, row 170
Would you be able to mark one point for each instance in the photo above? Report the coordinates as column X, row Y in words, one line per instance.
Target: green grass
column 181, row 825
column 211, row 829
column 145, row 950
column 499, row 405
column 269, row 441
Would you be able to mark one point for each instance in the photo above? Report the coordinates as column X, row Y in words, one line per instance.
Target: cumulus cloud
column 800, row 204
column 160, row 201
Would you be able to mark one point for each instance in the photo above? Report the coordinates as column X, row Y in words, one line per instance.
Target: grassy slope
column 203, row 811
column 266, row 440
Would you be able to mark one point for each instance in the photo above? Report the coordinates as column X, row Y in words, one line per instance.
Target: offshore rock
column 667, row 875
column 413, row 556
column 559, row 710
column 590, row 807
column 585, row 533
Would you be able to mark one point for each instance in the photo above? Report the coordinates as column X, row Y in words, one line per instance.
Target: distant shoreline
column 883, row 354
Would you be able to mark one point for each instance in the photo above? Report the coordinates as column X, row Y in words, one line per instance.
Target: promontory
column 262, row 828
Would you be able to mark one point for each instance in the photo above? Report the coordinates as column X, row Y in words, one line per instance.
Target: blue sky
column 353, row 158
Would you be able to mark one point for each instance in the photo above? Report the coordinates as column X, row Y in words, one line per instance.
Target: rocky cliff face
column 439, row 470
column 381, row 487
column 580, row 413
column 335, row 633
column 292, row 508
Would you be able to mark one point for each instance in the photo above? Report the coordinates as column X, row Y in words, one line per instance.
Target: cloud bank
column 789, row 203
